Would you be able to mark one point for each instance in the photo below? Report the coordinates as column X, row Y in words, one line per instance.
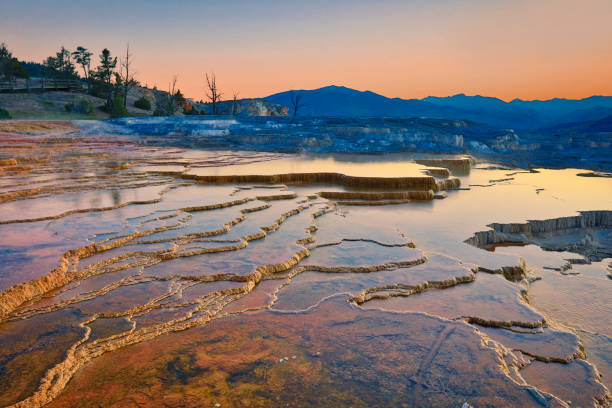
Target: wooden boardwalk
column 41, row 85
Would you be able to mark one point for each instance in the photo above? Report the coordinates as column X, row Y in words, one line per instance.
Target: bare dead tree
column 234, row 105
column 171, row 95
column 296, row 101
column 213, row 94
column 128, row 80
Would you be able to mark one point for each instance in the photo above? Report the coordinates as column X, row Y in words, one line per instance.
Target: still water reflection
column 162, row 290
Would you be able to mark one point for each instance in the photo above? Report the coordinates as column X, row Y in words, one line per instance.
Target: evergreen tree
column 178, row 96
column 14, row 69
column 105, row 72
column 4, row 52
column 5, row 57
column 10, row 67
column 106, row 69
column 83, row 57
column 61, row 65
column 34, row 69
column 51, row 67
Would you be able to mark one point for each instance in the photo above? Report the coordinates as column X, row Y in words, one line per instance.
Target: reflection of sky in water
column 539, row 258
column 350, row 164
column 443, row 225
column 435, row 226
column 440, row 225
column 60, row 203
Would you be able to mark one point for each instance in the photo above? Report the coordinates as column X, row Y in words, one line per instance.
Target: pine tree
column 105, row 72
column 10, row 67
column 5, row 58
column 83, row 57
column 61, row 65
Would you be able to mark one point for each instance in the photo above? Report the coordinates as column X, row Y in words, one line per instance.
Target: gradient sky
column 529, row 49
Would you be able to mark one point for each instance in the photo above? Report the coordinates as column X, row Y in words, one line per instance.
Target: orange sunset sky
column 537, row 49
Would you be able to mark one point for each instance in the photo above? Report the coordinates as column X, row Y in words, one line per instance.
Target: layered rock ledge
column 588, row 234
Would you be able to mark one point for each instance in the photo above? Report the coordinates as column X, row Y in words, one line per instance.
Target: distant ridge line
column 334, row 100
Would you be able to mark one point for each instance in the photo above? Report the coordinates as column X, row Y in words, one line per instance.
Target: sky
column 535, row 49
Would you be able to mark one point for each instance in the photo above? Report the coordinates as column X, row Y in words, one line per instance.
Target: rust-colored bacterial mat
column 134, row 276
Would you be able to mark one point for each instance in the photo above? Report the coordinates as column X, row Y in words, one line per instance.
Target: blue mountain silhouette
column 517, row 114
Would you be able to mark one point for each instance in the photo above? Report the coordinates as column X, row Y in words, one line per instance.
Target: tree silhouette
column 127, row 78
column 296, row 101
column 213, row 94
column 83, row 57
column 105, row 72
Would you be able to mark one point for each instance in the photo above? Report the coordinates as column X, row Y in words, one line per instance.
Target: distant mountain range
column 517, row 114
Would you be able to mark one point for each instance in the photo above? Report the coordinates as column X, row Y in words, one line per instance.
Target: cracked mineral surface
column 134, row 275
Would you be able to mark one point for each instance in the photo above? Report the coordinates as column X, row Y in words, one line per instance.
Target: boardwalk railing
column 41, row 84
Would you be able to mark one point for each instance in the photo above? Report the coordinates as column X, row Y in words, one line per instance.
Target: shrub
column 4, row 114
column 97, row 90
column 117, row 110
column 85, row 106
column 82, row 106
column 163, row 105
column 143, row 103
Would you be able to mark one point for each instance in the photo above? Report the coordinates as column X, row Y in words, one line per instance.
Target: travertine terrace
column 152, row 276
